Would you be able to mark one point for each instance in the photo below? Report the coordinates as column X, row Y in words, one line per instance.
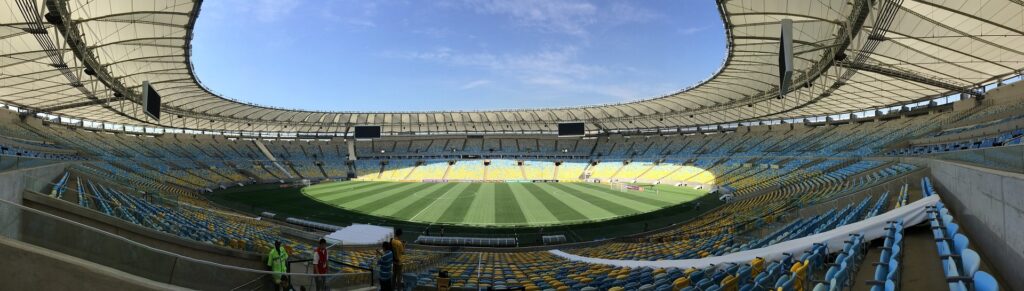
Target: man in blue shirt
column 385, row 266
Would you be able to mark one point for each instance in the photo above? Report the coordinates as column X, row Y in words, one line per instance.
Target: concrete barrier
column 989, row 206
column 117, row 244
column 14, row 182
column 28, row 267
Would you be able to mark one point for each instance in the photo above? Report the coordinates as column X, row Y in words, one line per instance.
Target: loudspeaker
column 785, row 56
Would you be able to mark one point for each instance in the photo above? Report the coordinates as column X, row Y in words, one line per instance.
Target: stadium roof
column 851, row 55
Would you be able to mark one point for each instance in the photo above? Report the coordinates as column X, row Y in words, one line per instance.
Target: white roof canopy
column 889, row 52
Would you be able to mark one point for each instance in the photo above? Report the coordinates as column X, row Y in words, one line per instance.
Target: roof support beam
column 72, row 37
column 890, row 72
column 76, row 105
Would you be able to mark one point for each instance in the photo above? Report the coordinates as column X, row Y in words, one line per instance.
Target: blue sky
column 364, row 55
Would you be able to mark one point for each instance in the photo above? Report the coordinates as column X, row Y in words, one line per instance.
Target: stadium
column 839, row 145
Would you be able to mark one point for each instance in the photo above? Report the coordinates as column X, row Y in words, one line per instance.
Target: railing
column 1004, row 158
column 75, row 239
column 891, row 185
column 9, row 162
column 307, row 267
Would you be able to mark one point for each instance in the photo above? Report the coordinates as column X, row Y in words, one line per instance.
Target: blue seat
column 839, row 281
column 985, row 282
column 785, row 283
column 743, row 275
column 889, row 286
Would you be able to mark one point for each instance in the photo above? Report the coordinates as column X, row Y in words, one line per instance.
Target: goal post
column 623, row 187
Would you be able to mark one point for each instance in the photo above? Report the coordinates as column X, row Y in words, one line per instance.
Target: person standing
column 386, row 265
column 398, row 248
column 320, row 260
column 277, row 260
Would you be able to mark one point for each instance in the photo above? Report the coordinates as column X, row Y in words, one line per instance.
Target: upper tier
column 849, row 56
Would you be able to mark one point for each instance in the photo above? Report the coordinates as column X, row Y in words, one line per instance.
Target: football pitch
column 496, row 204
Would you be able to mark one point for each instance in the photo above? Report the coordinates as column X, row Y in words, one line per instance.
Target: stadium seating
column 960, row 264
column 203, row 163
column 397, row 170
column 432, row 169
column 571, row 170
column 539, row 170
column 502, row 169
column 772, row 174
column 890, row 261
column 466, row 170
column 1003, row 139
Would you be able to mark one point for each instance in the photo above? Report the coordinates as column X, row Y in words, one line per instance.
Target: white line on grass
column 432, row 203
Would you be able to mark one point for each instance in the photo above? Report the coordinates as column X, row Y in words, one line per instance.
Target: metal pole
column 479, row 266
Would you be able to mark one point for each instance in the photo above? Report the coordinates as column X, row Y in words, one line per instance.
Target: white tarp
column 360, row 234
column 871, row 228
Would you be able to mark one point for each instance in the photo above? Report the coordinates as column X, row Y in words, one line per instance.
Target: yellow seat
column 680, row 283
column 800, row 275
column 730, row 283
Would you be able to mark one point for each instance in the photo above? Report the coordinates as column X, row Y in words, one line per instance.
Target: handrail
column 149, row 248
column 336, row 262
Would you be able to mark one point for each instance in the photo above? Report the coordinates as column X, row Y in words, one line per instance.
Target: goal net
column 623, row 187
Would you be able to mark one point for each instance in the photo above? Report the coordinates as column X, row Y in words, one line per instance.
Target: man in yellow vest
column 399, row 249
column 277, row 260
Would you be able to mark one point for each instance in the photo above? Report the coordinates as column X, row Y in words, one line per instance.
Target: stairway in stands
column 266, row 152
column 446, row 170
column 322, row 171
column 417, row 166
column 619, row 169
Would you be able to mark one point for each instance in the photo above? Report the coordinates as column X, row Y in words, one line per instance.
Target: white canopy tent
column 360, row 234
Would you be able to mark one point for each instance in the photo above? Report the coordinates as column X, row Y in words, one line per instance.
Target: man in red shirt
column 320, row 260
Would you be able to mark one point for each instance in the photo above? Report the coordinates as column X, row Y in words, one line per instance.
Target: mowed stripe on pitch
column 336, row 187
column 402, row 203
column 582, row 205
column 657, row 200
column 506, row 206
column 456, row 212
column 432, row 210
column 340, row 186
column 532, row 209
column 333, row 184
column 341, row 190
column 481, row 211
column 417, row 204
column 632, row 200
column 365, row 197
column 613, row 207
column 683, row 191
column 366, row 192
column 556, row 206
column 382, row 201
column 345, row 192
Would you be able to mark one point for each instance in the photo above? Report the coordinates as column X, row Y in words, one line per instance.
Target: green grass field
column 496, row 204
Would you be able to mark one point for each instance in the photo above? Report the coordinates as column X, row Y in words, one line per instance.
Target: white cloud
column 545, row 67
column 351, row 13
column 543, row 71
column 265, row 11
column 270, row 10
column 571, row 17
column 622, row 13
column 559, row 16
column 433, row 32
column 691, row 30
column 474, row 84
